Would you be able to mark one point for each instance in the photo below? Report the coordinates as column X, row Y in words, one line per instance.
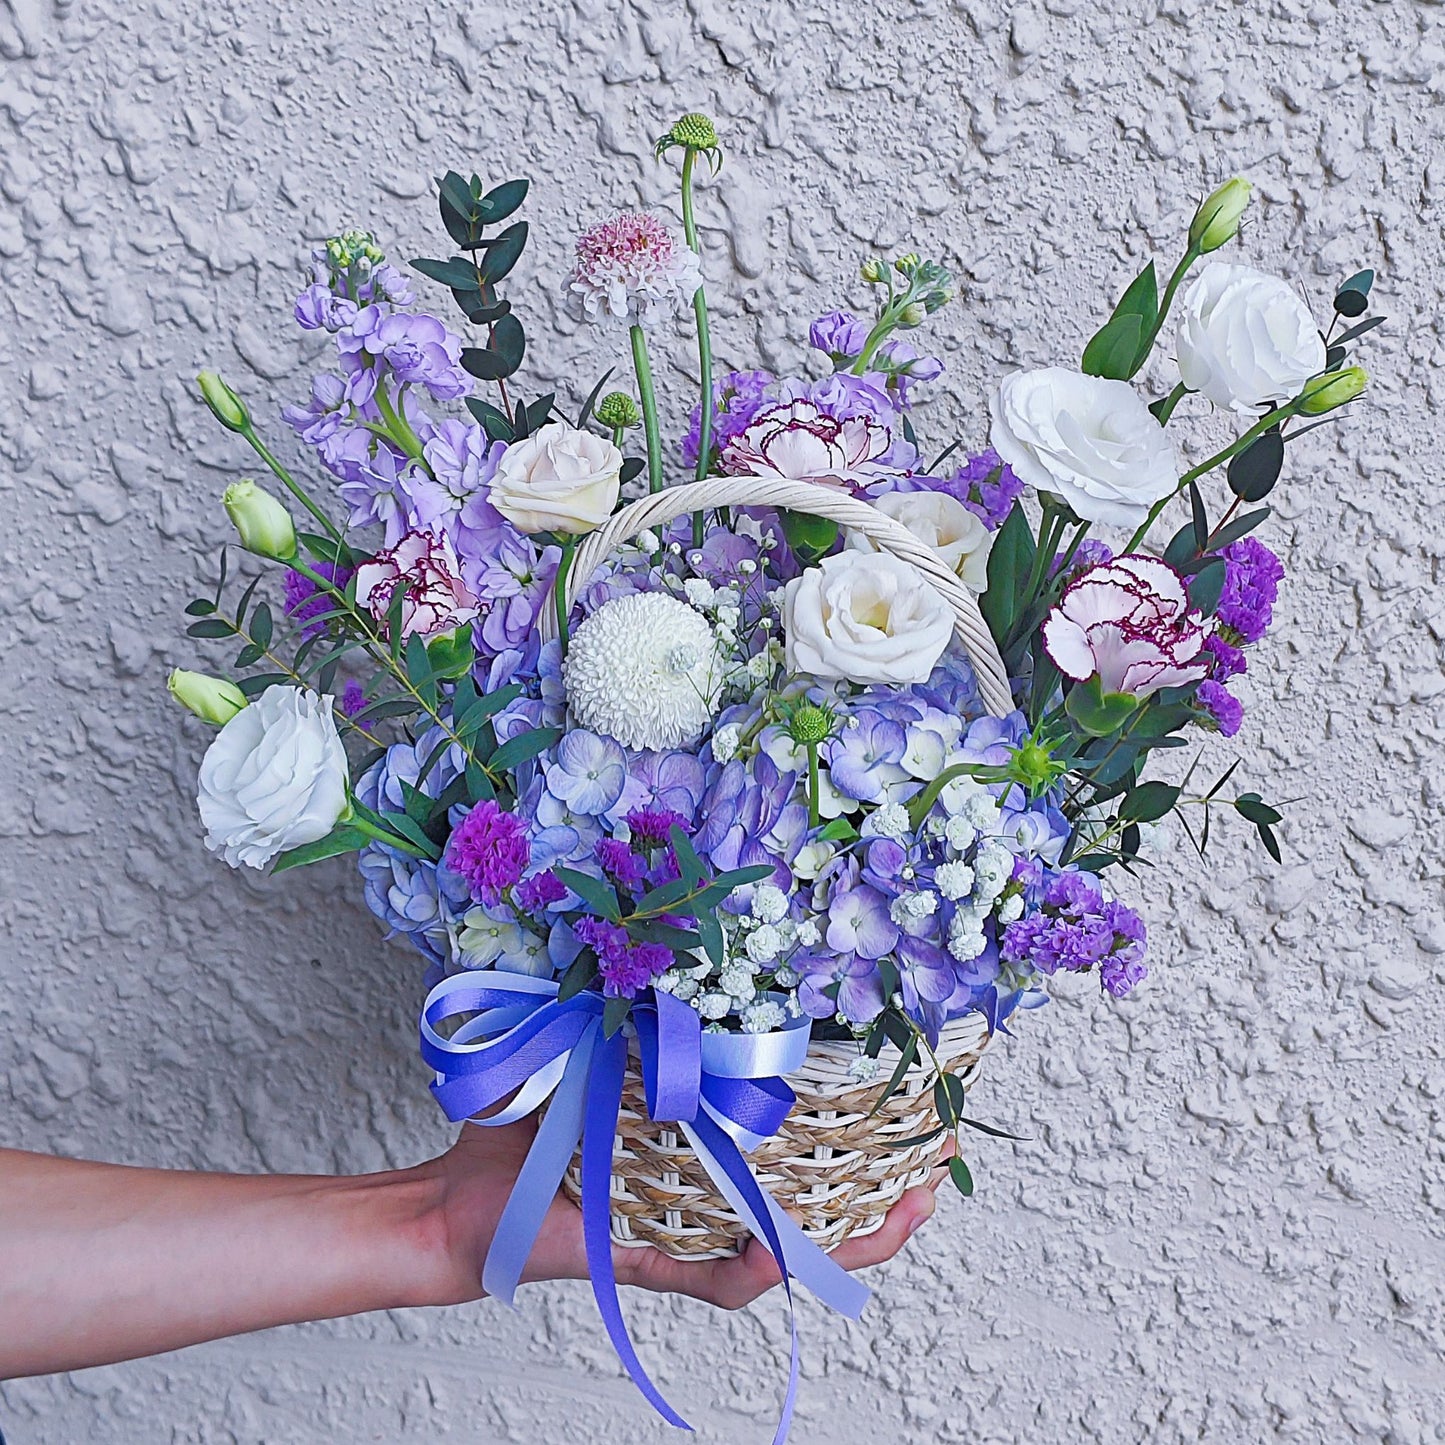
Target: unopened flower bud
column 913, row 314
column 226, row 406
column 1333, row 389
column 1217, row 219
column 263, row 523
column 872, row 271
column 906, row 263
column 618, row 409
column 695, row 131
column 810, row 724
column 212, row 699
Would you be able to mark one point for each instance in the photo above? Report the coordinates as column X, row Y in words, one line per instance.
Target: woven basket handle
column 658, row 508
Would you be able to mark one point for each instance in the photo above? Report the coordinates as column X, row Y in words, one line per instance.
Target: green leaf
column 458, row 273
column 906, row 1056
column 840, row 830
column 1271, row 843
column 1098, row 713
column 632, row 467
column 916, row 1139
column 1009, row 562
column 948, row 1097
column 210, row 627
column 993, row 1132
column 479, row 785
column 1141, row 297
column 502, row 253
column 578, row 976
column 341, row 839
column 525, row 745
column 469, row 715
column 1239, row 527
column 539, row 411
column 962, row 1179
column 1199, row 518
column 1355, row 332
column 257, row 683
column 1113, row 348
column 418, row 803
column 590, row 404
column 664, row 896
column 1254, row 471
column 200, row 607
column 592, row 891
column 502, row 200
column 412, row 831
column 710, row 931
column 688, row 863
column 741, row 877
column 653, row 930
column 261, row 626
column 384, row 708
column 1256, row 810
column 1206, row 586
column 614, row 1012
column 1149, row 802
column 492, row 420
column 248, row 656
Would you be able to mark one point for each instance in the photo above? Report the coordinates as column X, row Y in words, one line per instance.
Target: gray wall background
column 1230, row 1222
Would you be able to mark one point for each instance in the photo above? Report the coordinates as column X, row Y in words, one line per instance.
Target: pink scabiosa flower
column 1129, row 623
column 796, row 441
column 436, row 601
column 632, row 267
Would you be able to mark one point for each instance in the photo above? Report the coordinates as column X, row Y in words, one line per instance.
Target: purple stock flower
column 839, row 335
column 454, row 496
column 353, row 697
column 986, row 485
column 1252, row 574
column 418, row 349
column 738, row 397
column 318, row 308
column 304, row 600
column 1090, row 553
column 1222, row 711
column 488, row 849
column 506, row 571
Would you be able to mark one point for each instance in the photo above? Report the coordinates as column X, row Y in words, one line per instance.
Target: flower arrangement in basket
column 733, row 822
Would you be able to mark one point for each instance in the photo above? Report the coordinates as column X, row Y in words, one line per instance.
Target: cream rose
column 943, row 523
column 558, row 480
column 867, row 617
column 274, row 778
column 1245, row 338
column 1087, row 439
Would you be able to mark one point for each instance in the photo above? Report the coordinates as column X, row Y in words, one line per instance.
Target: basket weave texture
column 829, row 1165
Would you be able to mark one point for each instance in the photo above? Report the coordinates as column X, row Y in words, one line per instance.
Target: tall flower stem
column 1166, row 407
column 813, row 815
column 289, row 482
column 647, row 399
column 397, row 425
column 559, row 589
column 1167, row 300
column 704, row 342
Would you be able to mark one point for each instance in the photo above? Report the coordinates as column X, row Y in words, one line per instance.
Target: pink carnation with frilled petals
column 630, row 267
column 437, row 599
column 1130, row 623
column 795, row 441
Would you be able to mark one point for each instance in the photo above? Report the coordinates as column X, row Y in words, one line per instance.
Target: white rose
column 274, row 778
column 869, row 617
column 1245, row 338
column 558, row 480
column 1087, row 439
column 943, row 523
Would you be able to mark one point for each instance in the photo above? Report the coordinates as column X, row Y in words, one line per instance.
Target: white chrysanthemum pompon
column 646, row 670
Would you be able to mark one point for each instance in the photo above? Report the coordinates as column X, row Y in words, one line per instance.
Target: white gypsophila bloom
column 770, row 903
column 632, row 267
column 863, row 1069
column 647, row 542
column 728, row 617
column 763, row 1017
column 699, row 591
column 954, row 880
column 1088, row 439
column 667, row 982
column 808, row 933
column 685, row 989
column 760, row 666
column 982, row 811
column 764, row 943
column 1246, row 340
column 273, row 779
column 889, row 821
column 725, row 742
column 1011, row 909
column 959, row 833
column 644, row 669
column 913, row 908
column 786, row 976
column 736, row 980
column 713, row 1005
column 992, row 867
column 965, row 939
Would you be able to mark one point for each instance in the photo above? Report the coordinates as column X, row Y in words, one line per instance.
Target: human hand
column 472, row 1180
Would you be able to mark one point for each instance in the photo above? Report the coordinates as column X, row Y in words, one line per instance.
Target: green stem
column 1051, row 528
column 813, row 815
column 290, row 482
column 1190, row 257
column 704, row 343
column 1267, row 422
column 1170, row 402
column 382, row 835
column 559, row 589
column 647, row 398
column 876, row 337
column 397, row 425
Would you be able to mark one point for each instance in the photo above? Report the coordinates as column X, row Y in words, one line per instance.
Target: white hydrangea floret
column 889, row 821
column 954, row 880
column 770, row 903
column 644, row 669
column 764, row 943
column 763, row 1017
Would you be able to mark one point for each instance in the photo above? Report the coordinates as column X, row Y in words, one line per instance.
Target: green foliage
column 1009, row 563
column 341, row 839
column 1099, row 713
column 1121, row 346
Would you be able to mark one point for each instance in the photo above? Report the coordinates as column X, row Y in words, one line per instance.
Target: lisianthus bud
column 226, row 406
column 872, row 271
column 618, row 409
column 1217, row 219
column 212, row 699
column 1334, row 388
column 263, row 523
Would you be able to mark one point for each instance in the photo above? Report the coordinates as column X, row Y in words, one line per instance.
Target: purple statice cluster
column 1252, row 574
column 304, row 600
column 1076, row 928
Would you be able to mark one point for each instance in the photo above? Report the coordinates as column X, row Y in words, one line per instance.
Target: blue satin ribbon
column 724, row 1092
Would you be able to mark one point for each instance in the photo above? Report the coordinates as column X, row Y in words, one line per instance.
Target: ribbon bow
column 723, row 1091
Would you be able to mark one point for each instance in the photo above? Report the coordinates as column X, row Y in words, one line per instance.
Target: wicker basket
column 829, row 1164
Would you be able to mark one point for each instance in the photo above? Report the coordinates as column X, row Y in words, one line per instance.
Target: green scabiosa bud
column 1217, row 219
column 617, row 409
column 1333, row 389
column 810, row 723
column 226, row 406
column 692, row 132
column 263, row 523
column 1033, row 766
column 212, row 699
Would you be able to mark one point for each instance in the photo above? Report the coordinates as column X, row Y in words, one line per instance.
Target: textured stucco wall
column 1230, row 1224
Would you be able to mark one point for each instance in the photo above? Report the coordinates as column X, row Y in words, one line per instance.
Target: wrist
column 403, row 1237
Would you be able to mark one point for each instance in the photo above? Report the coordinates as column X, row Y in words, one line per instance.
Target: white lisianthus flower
column 644, row 669
column 557, row 480
column 1245, row 338
column 275, row 778
column 865, row 617
column 1087, row 439
column 943, row 523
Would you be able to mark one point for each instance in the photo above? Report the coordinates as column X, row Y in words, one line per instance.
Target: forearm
column 99, row 1262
